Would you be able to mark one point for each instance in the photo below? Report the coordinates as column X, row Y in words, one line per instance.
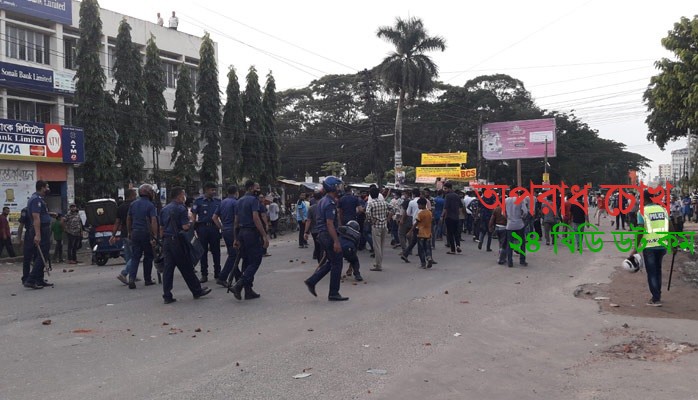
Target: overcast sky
column 593, row 56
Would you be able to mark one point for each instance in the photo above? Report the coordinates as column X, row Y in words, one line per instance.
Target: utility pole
column 479, row 150
column 369, row 103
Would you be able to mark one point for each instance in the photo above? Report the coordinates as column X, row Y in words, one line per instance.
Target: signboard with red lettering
column 36, row 141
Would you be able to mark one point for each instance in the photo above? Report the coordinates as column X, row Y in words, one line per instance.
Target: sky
column 594, row 57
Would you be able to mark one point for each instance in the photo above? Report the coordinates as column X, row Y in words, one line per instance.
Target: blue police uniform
column 226, row 212
column 140, row 212
column 27, row 243
column 327, row 210
column 251, row 243
column 37, row 204
column 172, row 218
column 209, row 235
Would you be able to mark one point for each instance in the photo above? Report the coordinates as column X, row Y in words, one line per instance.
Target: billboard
column 519, row 139
column 438, row 172
column 54, row 10
column 36, row 141
column 36, row 79
column 444, row 158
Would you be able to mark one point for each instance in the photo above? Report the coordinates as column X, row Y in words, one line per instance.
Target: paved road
column 522, row 335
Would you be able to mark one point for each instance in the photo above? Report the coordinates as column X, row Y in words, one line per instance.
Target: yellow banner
column 439, row 172
column 444, row 158
column 467, row 175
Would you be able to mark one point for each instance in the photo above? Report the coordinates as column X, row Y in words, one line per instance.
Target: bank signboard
column 53, row 10
column 36, row 141
column 36, row 79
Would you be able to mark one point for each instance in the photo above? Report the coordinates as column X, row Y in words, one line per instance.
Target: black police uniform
column 37, row 204
column 209, row 235
column 172, row 218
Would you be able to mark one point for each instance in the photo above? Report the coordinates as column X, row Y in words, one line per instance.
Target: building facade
column 679, row 164
column 665, row 172
column 38, row 139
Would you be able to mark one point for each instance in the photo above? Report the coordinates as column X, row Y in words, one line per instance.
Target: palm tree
column 408, row 72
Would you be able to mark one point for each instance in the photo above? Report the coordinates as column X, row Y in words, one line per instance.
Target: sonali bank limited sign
column 36, row 141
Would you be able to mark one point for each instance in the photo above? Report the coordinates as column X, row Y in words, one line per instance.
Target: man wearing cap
column 326, row 225
column 40, row 227
column 142, row 227
column 210, row 236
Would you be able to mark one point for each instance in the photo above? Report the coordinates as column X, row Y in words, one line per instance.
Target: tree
column 209, row 98
column 333, row 168
column 271, row 145
column 186, row 149
column 408, row 72
column 233, row 131
column 672, row 95
column 130, row 94
column 157, row 124
column 93, row 115
column 253, row 145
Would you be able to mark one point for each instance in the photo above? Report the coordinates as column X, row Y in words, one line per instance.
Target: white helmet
column 633, row 263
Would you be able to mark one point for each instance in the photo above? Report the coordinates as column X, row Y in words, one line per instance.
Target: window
column 70, row 115
column 29, row 111
column 112, row 59
column 24, row 44
column 170, row 74
column 70, row 52
column 193, row 77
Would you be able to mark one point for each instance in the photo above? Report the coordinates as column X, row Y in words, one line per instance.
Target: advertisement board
column 519, row 139
column 17, row 183
column 36, row 79
column 438, row 172
column 54, row 10
column 444, row 158
column 36, row 141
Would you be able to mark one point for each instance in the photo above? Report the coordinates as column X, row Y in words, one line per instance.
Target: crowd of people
column 340, row 222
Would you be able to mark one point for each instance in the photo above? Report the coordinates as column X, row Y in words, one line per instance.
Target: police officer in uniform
column 326, row 225
column 250, row 239
column 174, row 219
column 655, row 221
column 39, row 234
column 25, row 242
column 143, row 230
column 224, row 218
column 209, row 235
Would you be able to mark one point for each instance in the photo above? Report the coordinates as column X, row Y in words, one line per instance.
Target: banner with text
column 36, row 79
column 519, row 139
column 439, row 172
column 36, row 141
column 444, row 158
column 53, row 10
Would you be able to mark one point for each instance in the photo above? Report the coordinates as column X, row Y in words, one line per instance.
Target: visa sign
column 36, row 141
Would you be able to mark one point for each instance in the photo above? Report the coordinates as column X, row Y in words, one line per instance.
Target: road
column 522, row 334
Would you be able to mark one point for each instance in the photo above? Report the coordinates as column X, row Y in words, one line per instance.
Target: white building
column 37, row 67
column 665, row 172
column 679, row 163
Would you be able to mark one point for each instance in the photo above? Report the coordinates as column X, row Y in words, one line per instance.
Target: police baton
column 47, row 266
column 236, row 269
column 671, row 271
column 322, row 261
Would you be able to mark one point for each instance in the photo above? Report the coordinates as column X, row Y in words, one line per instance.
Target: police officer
column 209, row 235
column 655, row 221
column 224, row 218
column 250, row 238
column 39, row 233
column 174, row 219
column 142, row 226
column 326, row 225
column 25, row 242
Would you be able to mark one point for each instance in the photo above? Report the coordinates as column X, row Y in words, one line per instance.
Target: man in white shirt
column 160, row 21
column 410, row 214
column 174, row 21
column 469, row 214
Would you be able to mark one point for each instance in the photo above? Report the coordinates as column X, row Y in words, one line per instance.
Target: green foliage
column 271, row 145
column 672, row 95
column 209, row 98
column 186, row 148
column 333, row 168
column 370, row 178
column 233, row 131
column 253, row 145
column 98, row 173
column 410, row 174
column 130, row 113
column 157, row 125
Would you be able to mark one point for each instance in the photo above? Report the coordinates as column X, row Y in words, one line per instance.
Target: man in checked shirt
column 379, row 213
